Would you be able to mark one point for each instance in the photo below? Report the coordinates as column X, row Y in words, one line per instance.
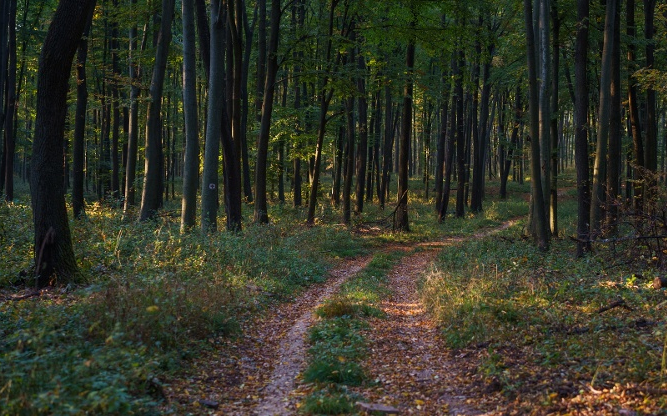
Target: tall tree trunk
column 633, row 109
column 387, row 146
column 362, row 150
column 151, row 196
column 261, row 59
column 460, row 143
column 4, row 56
column 78, row 151
column 214, row 126
column 401, row 221
column 651, row 143
column 261, row 209
column 553, row 134
column 245, row 157
column 537, row 197
column 581, row 128
column 10, row 135
column 449, row 144
column 598, row 192
column 54, row 255
column 325, row 99
column 615, row 135
column 115, row 135
column 442, row 140
column 544, row 83
column 191, row 160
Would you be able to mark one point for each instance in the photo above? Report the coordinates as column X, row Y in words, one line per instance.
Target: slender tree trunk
column 151, row 196
column 651, row 128
column 10, row 135
column 401, row 221
column 449, row 144
column 633, row 109
column 54, row 255
column 78, row 151
column 191, row 161
column 581, row 128
column 615, row 135
column 362, row 150
column 537, row 197
column 598, row 193
column 553, row 134
column 261, row 209
column 460, row 143
column 325, row 99
column 388, row 145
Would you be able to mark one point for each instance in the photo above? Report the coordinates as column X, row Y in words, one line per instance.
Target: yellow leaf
column 341, row 359
column 152, row 309
column 419, row 402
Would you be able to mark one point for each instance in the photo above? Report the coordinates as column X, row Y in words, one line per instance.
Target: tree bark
column 10, row 135
column 191, row 160
column 581, row 128
column 362, row 150
column 537, row 197
column 401, row 222
column 261, row 209
column 54, row 255
column 78, row 148
column 598, row 192
column 151, row 196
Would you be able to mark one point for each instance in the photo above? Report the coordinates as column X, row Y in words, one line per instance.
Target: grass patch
column 535, row 314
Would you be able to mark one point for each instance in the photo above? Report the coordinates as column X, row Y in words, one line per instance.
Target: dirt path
column 258, row 374
column 414, row 371
column 254, row 375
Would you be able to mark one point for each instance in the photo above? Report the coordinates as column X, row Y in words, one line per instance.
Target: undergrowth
column 541, row 322
column 153, row 298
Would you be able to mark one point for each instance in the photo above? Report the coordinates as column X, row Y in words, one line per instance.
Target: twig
column 616, row 304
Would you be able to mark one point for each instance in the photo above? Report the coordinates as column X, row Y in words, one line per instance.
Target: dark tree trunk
column 191, row 160
column 615, row 135
column 553, row 134
column 401, row 221
column 245, row 157
column 537, row 197
column 504, row 174
column 581, row 128
column 362, row 150
column 651, row 144
column 348, row 171
column 151, row 196
column 54, row 255
column 633, row 109
column 387, row 146
column 78, row 151
column 10, row 135
column 449, row 144
column 460, row 142
column 442, row 140
column 261, row 209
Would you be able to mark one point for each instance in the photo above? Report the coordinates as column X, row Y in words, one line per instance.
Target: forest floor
column 413, row 370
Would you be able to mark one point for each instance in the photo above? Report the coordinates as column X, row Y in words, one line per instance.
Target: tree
column 539, row 228
column 10, row 136
column 78, row 149
column 54, row 255
column 581, row 128
column 261, row 210
column 191, row 162
column 151, row 196
column 401, row 222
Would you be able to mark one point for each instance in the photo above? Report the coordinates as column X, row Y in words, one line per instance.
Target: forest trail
column 414, row 371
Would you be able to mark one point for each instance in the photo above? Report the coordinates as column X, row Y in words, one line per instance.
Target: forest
column 333, row 207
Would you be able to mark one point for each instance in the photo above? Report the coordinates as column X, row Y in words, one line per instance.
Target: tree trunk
column 191, row 160
column 553, row 134
column 78, row 151
column 651, row 143
column 151, row 196
column 362, row 150
column 210, row 181
column 581, row 128
column 460, row 143
column 615, row 134
column 449, row 144
column 54, row 255
column 10, row 135
column 387, row 146
column 598, row 192
column 401, row 221
column 537, row 197
column 261, row 209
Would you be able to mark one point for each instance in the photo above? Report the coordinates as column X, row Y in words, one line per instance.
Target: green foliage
column 154, row 297
column 503, row 295
column 332, row 400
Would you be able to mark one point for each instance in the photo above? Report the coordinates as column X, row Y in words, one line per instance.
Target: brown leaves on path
column 254, row 375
